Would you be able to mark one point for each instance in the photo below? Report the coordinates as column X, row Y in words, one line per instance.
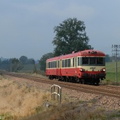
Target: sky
column 27, row 26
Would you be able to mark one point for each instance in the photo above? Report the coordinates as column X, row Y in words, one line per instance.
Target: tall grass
column 19, row 99
column 76, row 111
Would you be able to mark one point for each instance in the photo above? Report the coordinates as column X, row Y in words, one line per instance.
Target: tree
column 30, row 61
column 70, row 36
column 15, row 65
column 5, row 64
column 43, row 59
column 34, row 66
column 23, row 59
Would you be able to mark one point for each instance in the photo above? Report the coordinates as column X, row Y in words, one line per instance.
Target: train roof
column 90, row 52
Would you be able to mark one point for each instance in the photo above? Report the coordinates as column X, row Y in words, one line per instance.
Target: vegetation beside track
column 79, row 110
column 19, row 98
column 111, row 73
column 25, row 96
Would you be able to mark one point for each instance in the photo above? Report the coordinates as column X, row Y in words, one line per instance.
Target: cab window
column 85, row 60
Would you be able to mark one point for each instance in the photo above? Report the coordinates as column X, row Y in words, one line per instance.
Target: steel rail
column 78, row 87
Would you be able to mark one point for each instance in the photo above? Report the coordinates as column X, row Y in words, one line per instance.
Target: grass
column 19, row 99
column 6, row 116
column 111, row 72
column 76, row 111
column 28, row 68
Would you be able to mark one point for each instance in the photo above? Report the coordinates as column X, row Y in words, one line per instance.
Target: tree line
column 15, row 64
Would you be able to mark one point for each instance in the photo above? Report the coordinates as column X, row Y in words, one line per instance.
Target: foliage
column 15, row 64
column 30, row 61
column 34, row 68
column 5, row 64
column 75, row 111
column 6, row 116
column 70, row 36
column 23, row 59
column 43, row 59
column 8, row 64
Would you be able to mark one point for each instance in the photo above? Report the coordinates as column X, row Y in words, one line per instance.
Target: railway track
column 112, row 91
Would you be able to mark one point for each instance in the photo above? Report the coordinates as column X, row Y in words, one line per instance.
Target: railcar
column 87, row 66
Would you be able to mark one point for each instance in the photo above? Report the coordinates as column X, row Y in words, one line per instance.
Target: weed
column 39, row 109
column 115, row 115
column 6, row 116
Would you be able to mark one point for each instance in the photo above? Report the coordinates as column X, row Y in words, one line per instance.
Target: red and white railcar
column 86, row 66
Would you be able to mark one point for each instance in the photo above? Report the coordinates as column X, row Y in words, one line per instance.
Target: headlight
column 81, row 69
column 103, row 70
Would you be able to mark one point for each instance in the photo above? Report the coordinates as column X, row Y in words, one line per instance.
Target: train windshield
column 93, row 61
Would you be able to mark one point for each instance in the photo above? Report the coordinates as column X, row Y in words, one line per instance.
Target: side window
column 73, row 62
column 63, row 63
column 49, row 64
column 66, row 63
column 78, row 61
column 55, row 64
column 58, row 65
column 52, row 64
column 69, row 61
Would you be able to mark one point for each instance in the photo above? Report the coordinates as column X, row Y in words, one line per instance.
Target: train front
column 92, row 66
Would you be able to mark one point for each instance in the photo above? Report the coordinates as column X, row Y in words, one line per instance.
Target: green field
column 111, row 72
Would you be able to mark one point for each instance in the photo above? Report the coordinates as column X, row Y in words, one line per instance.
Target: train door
column 74, row 62
column 59, row 67
column 75, row 66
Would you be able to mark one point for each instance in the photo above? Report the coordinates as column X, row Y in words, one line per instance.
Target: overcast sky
column 27, row 26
